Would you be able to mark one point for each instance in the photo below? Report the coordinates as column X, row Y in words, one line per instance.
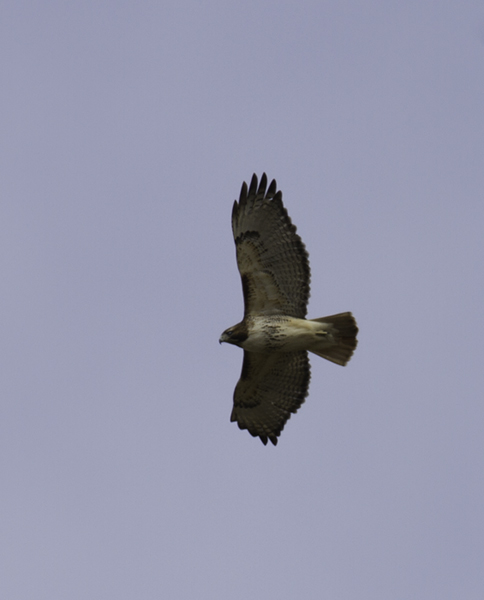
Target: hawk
column 274, row 333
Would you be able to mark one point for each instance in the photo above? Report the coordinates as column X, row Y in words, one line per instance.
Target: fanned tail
column 343, row 328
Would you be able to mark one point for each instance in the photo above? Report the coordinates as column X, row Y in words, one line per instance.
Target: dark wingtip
column 253, row 185
column 262, row 186
column 278, row 197
column 272, row 189
column 259, row 189
column 243, row 193
column 265, row 438
column 235, row 210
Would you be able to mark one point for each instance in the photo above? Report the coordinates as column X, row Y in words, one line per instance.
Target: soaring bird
column 274, row 333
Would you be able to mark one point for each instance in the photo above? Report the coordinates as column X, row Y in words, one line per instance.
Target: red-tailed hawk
column 274, row 333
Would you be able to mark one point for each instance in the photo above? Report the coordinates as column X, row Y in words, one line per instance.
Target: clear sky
column 127, row 129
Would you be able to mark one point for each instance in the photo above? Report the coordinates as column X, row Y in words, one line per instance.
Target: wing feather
column 271, row 257
column 271, row 388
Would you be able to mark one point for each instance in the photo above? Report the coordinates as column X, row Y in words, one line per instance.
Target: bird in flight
column 274, row 333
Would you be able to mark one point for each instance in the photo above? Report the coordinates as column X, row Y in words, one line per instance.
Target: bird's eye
column 229, row 331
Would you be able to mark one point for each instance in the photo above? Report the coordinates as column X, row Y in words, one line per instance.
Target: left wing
column 271, row 387
column 271, row 257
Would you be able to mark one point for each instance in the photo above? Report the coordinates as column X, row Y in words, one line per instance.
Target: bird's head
column 235, row 335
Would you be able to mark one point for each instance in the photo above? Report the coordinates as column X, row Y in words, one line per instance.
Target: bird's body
column 285, row 334
column 274, row 334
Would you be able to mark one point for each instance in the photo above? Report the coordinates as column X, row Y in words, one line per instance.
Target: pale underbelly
column 286, row 335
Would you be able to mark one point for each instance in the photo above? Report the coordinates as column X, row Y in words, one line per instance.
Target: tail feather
column 343, row 328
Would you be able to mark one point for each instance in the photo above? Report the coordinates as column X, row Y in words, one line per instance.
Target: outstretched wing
column 271, row 387
column 271, row 257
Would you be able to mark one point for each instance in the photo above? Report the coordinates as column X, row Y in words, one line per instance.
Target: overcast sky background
column 127, row 129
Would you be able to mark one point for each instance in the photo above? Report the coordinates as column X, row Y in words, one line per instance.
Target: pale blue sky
column 126, row 132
